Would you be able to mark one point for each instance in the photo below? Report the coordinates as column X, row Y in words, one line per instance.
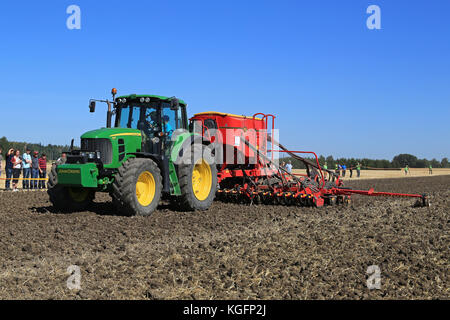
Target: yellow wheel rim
column 78, row 194
column 145, row 188
column 201, row 180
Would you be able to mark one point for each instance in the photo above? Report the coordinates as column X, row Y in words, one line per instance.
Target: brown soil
column 231, row 251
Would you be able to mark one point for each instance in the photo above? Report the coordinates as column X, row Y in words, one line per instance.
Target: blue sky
column 336, row 87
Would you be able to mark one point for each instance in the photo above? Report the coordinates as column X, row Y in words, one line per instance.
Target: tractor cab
column 156, row 117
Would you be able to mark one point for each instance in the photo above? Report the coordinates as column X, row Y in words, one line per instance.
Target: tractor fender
column 184, row 141
column 163, row 165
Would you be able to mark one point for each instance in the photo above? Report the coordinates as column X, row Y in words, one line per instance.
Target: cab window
column 169, row 121
column 124, row 117
column 135, row 116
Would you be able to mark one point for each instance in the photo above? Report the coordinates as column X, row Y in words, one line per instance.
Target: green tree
column 404, row 159
column 435, row 163
column 330, row 162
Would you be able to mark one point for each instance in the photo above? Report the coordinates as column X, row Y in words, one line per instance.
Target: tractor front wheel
column 68, row 199
column 137, row 187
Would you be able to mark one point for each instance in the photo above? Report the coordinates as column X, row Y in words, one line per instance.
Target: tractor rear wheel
column 137, row 187
column 68, row 199
column 198, row 180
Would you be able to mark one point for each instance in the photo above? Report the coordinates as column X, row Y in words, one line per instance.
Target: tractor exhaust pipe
column 108, row 115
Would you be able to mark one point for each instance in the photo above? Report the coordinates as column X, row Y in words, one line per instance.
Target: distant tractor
column 137, row 160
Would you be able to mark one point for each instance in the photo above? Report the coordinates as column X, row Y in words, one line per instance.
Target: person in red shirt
column 42, row 171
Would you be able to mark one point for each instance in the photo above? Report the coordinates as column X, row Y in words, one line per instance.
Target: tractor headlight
column 142, row 100
column 91, row 155
column 147, row 100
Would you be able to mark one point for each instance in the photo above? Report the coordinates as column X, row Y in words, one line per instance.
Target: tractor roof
column 223, row 114
column 137, row 96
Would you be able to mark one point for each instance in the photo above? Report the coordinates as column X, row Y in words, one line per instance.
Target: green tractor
column 148, row 153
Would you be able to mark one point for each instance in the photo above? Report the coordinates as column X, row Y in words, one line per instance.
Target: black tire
column 189, row 201
column 124, row 188
column 67, row 199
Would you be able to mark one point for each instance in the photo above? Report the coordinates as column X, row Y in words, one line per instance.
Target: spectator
column 336, row 169
column 17, row 167
column 325, row 167
column 430, row 168
column 344, row 170
column 358, row 170
column 351, row 171
column 35, row 170
column 26, row 166
column 42, row 171
column 62, row 159
column 406, row 170
column 289, row 167
column 9, row 168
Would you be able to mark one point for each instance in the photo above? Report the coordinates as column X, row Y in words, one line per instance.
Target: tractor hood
column 111, row 133
column 114, row 144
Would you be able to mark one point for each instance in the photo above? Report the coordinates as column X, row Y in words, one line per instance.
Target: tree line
column 399, row 161
column 53, row 152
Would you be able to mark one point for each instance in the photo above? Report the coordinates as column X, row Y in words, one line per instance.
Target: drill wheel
column 347, row 200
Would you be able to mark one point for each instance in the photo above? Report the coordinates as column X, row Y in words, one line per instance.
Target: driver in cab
column 150, row 124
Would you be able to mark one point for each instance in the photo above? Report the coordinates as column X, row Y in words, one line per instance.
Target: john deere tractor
column 145, row 152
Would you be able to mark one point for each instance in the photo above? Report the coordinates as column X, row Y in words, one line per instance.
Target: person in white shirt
column 289, row 167
column 26, row 166
column 17, row 167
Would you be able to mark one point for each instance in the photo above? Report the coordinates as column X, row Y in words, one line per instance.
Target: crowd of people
column 30, row 168
column 341, row 169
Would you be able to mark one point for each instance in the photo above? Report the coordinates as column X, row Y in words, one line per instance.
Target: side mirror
column 174, row 104
column 92, row 106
